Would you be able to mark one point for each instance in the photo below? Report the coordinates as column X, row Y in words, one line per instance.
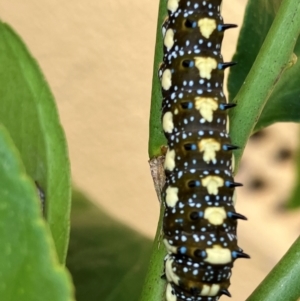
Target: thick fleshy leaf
column 29, row 269
column 284, row 102
column 28, row 111
column 108, row 260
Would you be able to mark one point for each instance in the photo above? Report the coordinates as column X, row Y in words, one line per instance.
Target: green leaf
column 107, row 260
column 28, row 112
column 29, row 269
column 284, row 102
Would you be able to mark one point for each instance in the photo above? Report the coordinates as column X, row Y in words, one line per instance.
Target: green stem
column 282, row 283
column 272, row 60
column 156, row 135
column 154, row 286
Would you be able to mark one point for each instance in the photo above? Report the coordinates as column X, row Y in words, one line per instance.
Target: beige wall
column 97, row 57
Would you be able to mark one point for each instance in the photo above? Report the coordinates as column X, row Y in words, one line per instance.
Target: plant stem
column 156, row 136
column 154, row 286
column 282, row 283
column 272, row 60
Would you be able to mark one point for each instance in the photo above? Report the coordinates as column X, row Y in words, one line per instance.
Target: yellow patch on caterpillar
column 170, row 160
column 227, row 124
column 170, row 249
column 212, row 183
column 170, row 274
column 205, row 66
column 170, row 296
column 232, row 163
column 206, row 107
column 169, row 39
column 218, row 255
column 168, row 124
column 215, row 215
column 234, row 197
column 210, row 290
column 166, row 79
column 209, row 147
column 207, row 26
column 171, row 196
column 173, row 5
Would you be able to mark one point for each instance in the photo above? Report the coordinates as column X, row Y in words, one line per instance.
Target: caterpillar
column 200, row 220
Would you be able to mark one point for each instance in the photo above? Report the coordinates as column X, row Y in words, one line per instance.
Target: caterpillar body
column 200, row 220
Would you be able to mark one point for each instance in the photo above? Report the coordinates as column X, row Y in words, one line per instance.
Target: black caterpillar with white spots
column 200, row 220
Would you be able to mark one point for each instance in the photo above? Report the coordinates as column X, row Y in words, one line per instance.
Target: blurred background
column 98, row 57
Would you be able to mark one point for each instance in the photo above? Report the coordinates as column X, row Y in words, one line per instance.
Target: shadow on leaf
column 107, row 260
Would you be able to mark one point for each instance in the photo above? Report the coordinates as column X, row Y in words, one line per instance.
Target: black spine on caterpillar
column 200, row 220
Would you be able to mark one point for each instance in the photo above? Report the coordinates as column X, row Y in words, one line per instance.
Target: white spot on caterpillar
column 218, row 255
column 215, row 215
column 166, row 80
column 209, row 147
column 171, row 196
column 212, row 183
column 173, row 5
column 168, row 124
column 170, row 274
column 207, row 26
column 170, row 295
column 170, row 249
column 169, row 39
column 205, row 66
column 170, row 160
column 175, row 111
column 210, row 290
column 231, row 236
column 206, row 106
